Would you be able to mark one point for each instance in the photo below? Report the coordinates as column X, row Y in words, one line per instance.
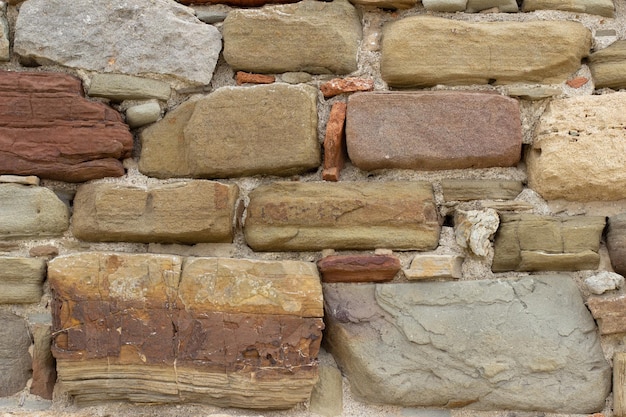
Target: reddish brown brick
column 334, row 143
column 577, row 82
column 609, row 312
column 338, row 86
column 246, row 77
column 359, row 268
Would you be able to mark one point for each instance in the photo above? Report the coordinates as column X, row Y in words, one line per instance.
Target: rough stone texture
column 150, row 32
column 387, row 4
column 413, row 51
column 474, row 229
column 171, row 337
column 604, row 281
column 569, row 159
column 338, row 86
column 334, row 143
column 609, row 312
column 608, row 66
column 577, row 82
column 619, row 384
column 289, row 216
column 327, row 395
column 435, row 266
column 44, row 251
column 432, row 130
column 599, row 7
column 520, row 344
column 236, row 131
column 358, row 268
column 19, row 179
column 5, row 54
column 15, row 362
column 237, row 3
column 270, row 39
column 143, row 114
column 21, row 280
column 445, row 5
column 187, row 212
column 616, row 242
column 44, row 121
column 245, row 77
column 506, row 6
column 119, row 87
column 530, row 242
column 468, row 190
column 27, row 211
column 44, row 369
column 532, row 92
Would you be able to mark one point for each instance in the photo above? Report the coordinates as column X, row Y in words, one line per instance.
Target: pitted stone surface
column 15, row 362
column 485, row 345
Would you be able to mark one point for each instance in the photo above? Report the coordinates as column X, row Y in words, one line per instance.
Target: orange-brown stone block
column 338, row 86
column 359, row 268
column 334, row 143
column 248, row 78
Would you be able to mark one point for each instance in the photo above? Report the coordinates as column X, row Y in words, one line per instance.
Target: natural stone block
column 423, row 51
column 599, row 7
column 334, row 142
column 44, row 120
column 616, row 242
column 529, row 242
column 619, row 384
column 445, row 5
column 473, row 229
column 338, row 86
column 245, row 77
column 236, row 3
column 149, row 31
column 44, row 367
column 166, row 335
column 236, row 131
column 19, row 179
column 609, row 312
column 533, row 93
column 119, row 87
column 27, row 211
column 21, row 280
column 468, row 190
column 572, row 135
column 482, row 345
column 608, row 66
column 271, row 39
column 5, row 54
column 44, row 251
column 290, row 216
column 387, row 4
column 358, row 268
column 327, row 396
column 15, row 362
column 143, row 114
column 188, row 212
column 435, row 266
column 577, row 82
column 504, row 6
column 433, row 130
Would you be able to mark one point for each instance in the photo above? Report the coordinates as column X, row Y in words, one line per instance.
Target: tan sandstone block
column 608, row 66
column 435, row 266
column 599, row 7
column 21, row 280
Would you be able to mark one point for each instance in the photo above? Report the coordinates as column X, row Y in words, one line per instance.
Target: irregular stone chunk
column 599, row 7
column 482, row 345
column 164, row 336
column 143, row 114
column 387, row 4
column 187, row 212
column 346, row 85
column 150, row 32
column 5, row 54
column 27, row 211
column 433, row 130
column 288, row 216
column 334, row 143
column 358, row 268
column 237, row 3
column 577, row 82
column 18, row 179
column 604, row 281
column 271, row 39
column 445, row 5
column 15, row 362
column 423, row 51
column 608, row 66
column 473, row 229
column 468, row 190
column 619, row 384
column 44, row 369
column 236, row 131
column 246, row 77
column 119, row 87
column 44, row 251
column 616, row 242
column 435, row 266
column 505, row 6
column 529, row 242
column 44, row 121
column 532, row 92
column 610, row 312
column 327, row 395
column 21, row 280
column 571, row 137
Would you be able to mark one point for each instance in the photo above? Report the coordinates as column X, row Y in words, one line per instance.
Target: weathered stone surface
column 432, row 130
column 236, row 131
column 571, row 139
column 19, row 179
column 387, row 4
column 5, row 54
column 604, row 281
column 327, row 395
column 246, row 77
column 21, row 280
column 435, row 266
column 44, row 121
column 527, row 92
column 358, row 268
column 445, row 5
column 288, row 216
column 15, row 362
column 27, row 211
column 467, row 190
column 187, row 212
column 609, row 312
column 150, row 32
column 44, row 251
column 237, row 3
column 485, row 345
column 44, row 369
column 169, row 337
column 422, row 51
column 120, row 87
column 505, row 6
column 616, row 242
column 473, row 229
column 599, row 7
column 271, row 39
column 143, row 114
column 334, row 142
column 619, row 384
column 608, row 66
column 209, row 16
column 346, row 85
column 529, row 242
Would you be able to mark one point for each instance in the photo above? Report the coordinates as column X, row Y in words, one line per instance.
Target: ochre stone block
column 358, row 268
column 610, row 313
column 245, row 77
column 435, row 266
column 334, row 143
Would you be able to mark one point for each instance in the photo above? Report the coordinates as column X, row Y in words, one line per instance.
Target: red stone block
column 577, row 82
column 338, row 86
column 609, row 312
column 358, row 268
column 334, row 143
column 246, row 77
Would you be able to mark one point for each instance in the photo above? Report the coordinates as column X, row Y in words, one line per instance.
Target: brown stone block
column 433, row 130
column 346, row 85
column 616, row 242
column 246, row 77
column 359, row 268
column 334, row 143
column 44, row 369
column 609, row 312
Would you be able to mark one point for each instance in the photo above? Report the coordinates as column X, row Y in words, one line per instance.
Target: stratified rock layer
column 21, row 279
column 422, row 51
column 48, row 129
column 232, row 333
column 15, row 362
column 599, row 7
column 523, row 344
column 608, row 66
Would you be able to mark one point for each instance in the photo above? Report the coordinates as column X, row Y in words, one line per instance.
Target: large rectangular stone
column 433, row 130
column 21, row 280
column 291, row 216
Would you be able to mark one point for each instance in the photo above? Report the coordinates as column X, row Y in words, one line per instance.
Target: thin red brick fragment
column 334, row 143
column 577, row 82
column 248, row 78
column 358, row 268
column 338, row 86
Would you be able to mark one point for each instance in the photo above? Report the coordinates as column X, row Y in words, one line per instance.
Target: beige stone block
column 608, row 66
column 467, row 190
column 541, row 261
column 21, row 280
column 435, row 266
column 599, row 7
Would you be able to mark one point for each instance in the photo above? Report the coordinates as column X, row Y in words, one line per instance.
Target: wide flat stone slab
column 520, row 344
column 599, row 7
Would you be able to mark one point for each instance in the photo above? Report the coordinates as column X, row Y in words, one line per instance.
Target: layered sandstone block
column 423, row 51
column 15, row 361
column 608, row 66
column 291, row 216
column 610, row 313
column 228, row 332
column 21, row 279
column 186, row 212
column 44, row 120
column 599, row 7
column 358, row 268
column 578, row 147
column 468, row 190
column 433, row 130
column 236, row 131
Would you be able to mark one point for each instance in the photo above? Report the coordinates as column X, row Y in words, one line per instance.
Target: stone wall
column 376, row 207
